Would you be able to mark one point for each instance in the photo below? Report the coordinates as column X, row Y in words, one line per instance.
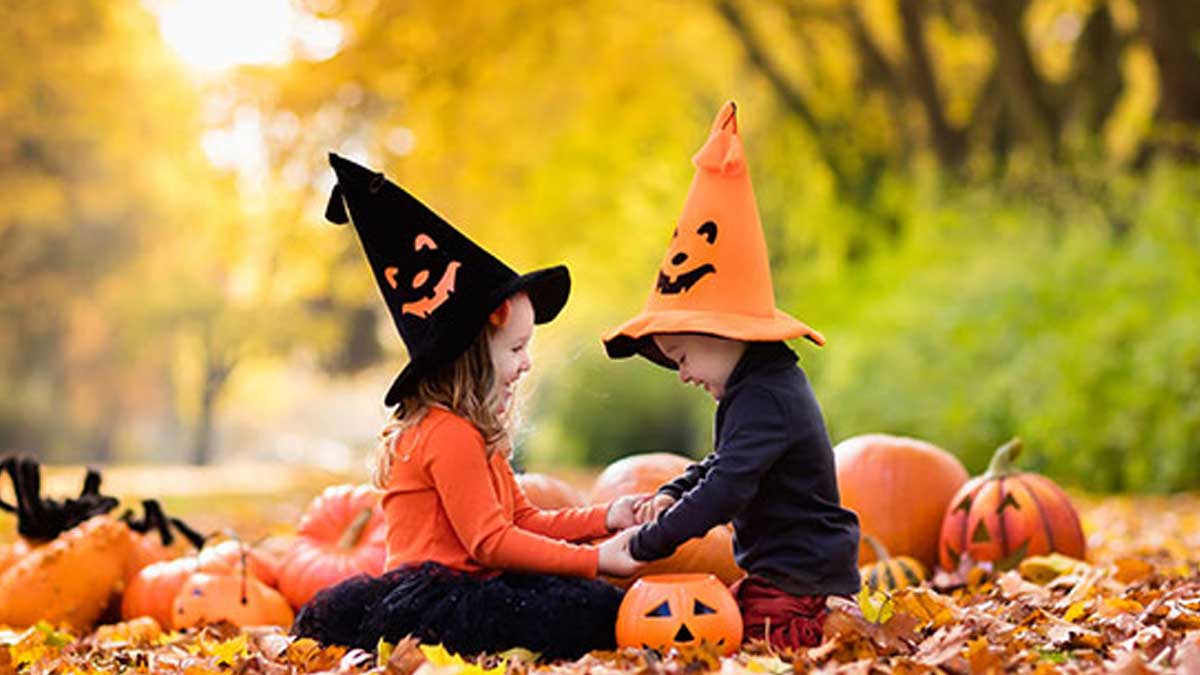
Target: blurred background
column 990, row 208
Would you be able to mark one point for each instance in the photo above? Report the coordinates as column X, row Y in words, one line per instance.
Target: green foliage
column 994, row 319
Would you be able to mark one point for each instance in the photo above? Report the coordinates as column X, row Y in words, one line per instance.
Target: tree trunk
column 1028, row 95
column 216, row 372
column 1172, row 29
column 948, row 142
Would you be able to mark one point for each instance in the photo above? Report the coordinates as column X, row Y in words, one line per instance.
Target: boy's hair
column 465, row 387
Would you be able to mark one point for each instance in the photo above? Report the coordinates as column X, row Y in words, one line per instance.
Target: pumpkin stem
column 1002, row 462
column 881, row 552
column 353, row 533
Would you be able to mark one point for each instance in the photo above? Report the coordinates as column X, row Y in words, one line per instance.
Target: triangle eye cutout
column 663, row 609
column 701, row 608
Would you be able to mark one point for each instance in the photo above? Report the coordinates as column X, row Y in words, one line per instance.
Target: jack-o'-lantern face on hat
column 426, row 280
column 689, row 259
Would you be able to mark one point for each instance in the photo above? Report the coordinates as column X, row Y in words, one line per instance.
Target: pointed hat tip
column 726, row 119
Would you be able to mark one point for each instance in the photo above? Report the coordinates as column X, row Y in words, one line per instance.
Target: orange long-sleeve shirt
column 447, row 502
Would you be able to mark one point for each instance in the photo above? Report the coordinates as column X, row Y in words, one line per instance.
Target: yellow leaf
column 437, row 656
column 876, row 606
column 383, row 652
column 927, row 606
column 1076, row 611
column 1042, row 569
column 228, row 652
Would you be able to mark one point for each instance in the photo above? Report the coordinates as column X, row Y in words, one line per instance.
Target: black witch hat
column 439, row 285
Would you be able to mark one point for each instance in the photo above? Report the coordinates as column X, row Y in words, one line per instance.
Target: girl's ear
column 499, row 316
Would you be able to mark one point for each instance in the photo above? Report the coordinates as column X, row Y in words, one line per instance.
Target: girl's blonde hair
column 465, row 387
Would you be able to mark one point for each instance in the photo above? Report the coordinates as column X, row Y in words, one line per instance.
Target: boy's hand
column 621, row 513
column 615, row 559
column 649, row 509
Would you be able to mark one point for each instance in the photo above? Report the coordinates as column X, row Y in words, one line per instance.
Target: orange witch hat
column 715, row 278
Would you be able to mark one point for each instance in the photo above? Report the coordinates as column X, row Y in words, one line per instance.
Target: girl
column 472, row 564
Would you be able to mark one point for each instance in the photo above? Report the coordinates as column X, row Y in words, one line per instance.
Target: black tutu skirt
column 560, row 617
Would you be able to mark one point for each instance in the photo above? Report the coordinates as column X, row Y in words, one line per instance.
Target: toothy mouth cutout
column 424, row 297
column 683, row 282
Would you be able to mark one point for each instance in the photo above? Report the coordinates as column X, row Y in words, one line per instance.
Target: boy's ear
column 499, row 316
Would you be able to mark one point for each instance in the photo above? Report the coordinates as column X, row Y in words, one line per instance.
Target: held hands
column 615, row 559
column 621, row 512
column 650, row 506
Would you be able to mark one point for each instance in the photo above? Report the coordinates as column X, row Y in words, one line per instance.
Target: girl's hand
column 615, row 559
column 649, row 509
column 621, row 513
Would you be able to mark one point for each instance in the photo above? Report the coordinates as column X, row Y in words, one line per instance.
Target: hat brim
column 635, row 337
column 548, row 290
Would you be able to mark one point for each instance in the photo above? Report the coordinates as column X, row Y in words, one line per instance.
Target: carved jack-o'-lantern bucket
column 676, row 610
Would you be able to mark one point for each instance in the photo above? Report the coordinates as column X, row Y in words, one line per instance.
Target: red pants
column 793, row 621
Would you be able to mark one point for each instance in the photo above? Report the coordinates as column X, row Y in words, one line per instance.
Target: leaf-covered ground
column 1133, row 607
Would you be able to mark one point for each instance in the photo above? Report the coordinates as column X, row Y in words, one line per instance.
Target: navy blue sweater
column 772, row 473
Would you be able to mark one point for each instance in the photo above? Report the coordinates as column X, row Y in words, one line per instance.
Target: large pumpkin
column 677, row 610
column 548, row 492
column 639, row 474
column 341, row 534
column 1005, row 515
column 636, row 474
column 899, row 487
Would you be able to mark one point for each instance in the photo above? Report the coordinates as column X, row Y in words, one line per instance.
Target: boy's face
column 703, row 360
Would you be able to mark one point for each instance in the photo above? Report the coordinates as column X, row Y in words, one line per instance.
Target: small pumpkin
column 1005, row 515
column 891, row 573
column 234, row 596
column 899, row 487
column 548, row 492
column 341, row 534
column 679, row 610
column 645, row 473
column 152, row 591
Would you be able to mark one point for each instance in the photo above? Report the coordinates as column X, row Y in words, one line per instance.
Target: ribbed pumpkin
column 638, row 474
column 1005, row 515
column 341, row 534
column 548, row 492
column 899, row 487
column 888, row 573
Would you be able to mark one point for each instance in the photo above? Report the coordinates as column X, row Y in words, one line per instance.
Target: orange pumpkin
column 548, row 492
column 677, row 610
column 899, row 487
column 340, row 535
column 234, row 596
column 152, row 591
column 636, row 474
column 10, row 554
column 1005, row 515
column 639, row 474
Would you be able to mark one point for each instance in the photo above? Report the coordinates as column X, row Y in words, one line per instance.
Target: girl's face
column 509, row 346
column 703, row 360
